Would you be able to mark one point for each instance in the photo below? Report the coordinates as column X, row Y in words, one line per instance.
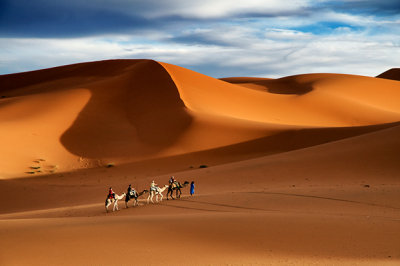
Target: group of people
column 153, row 187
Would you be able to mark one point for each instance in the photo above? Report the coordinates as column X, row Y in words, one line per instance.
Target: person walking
column 192, row 188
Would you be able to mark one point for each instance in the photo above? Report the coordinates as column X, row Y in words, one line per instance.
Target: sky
column 219, row 38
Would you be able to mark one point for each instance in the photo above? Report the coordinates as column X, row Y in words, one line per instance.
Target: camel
column 117, row 198
column 134, row 196
column 156, row 192
column 176, row 186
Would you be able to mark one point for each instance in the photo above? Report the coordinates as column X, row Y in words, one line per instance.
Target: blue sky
column 219, row 38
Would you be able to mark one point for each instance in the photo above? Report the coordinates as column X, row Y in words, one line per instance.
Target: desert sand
column 300, row 170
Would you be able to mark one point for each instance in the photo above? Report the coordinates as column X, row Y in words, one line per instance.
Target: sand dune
column 130, row 110
column 297, row 170
column 317, row 99
column 356, row 98
column 393, row 74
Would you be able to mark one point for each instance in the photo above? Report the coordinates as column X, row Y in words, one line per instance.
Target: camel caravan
column 154, row 190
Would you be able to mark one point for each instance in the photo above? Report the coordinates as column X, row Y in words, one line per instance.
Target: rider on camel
column 131, row 191
column 111, row 193
column 153, row 186
column 173, row 182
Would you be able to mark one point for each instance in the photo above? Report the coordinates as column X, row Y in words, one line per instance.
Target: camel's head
column 186, row 182
column 166, row 185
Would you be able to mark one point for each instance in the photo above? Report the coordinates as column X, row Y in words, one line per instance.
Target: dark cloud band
column 73, row 18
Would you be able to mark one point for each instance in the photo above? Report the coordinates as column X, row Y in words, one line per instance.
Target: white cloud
column 259, row 46
column 272, row 57
column 224, row 8
column 196, row 9
column 285, row 34
column 27, row 54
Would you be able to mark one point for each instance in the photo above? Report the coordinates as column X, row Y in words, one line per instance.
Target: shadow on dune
column 287, row 85
column 136, row 111
column 324, row 198
column 285, row 141
column 98, row 69
column 226, row 205
column 282, row 142
column 191, row 208
column 393, row 74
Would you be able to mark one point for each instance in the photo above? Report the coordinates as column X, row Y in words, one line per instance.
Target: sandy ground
column 302, row 170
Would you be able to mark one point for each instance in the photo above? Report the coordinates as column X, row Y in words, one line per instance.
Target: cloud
column 207, row 9
column 269, row 52
column 219, row 35
column 371, row 7
column 76, row 18
column 41, row 18
column 285, row 34
column 218, row 38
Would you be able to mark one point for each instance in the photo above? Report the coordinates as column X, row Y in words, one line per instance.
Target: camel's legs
column 107, row 204
column 150, row 197
column 172, row 193
column 115, row 205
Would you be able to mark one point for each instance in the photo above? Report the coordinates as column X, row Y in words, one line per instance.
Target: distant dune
column 393, row 74
column 298, row 170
